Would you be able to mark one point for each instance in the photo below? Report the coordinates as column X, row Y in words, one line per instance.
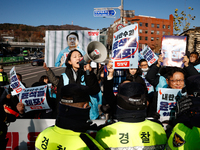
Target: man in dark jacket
column 174, row 78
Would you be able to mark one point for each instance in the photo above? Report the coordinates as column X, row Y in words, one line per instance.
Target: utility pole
column 122, row 11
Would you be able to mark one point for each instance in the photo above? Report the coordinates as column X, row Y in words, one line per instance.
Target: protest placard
column 125, row 48
column 197, row 67
column 173, row 50
column 167, row 102
column 34, row 98
column 15, row 84
column 149, row 55
column 148, row 85
column 59, row 43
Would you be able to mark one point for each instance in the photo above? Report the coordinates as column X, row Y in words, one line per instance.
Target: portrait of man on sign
column 72, row 41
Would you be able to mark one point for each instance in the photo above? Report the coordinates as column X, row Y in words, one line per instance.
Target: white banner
column 149, row 55
column 56, row 44
column 167, row 102
column 15, row 84
column 125, row 48
column 34, row 98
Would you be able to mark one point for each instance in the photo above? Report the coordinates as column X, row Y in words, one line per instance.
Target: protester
column 72, row 41
column 69, row 132
column 44, row 79
column 74, row 73
column 7, row 116
column 52, row 78
column 194, row 58
column 174, row 78
column 143, row 65
column 186, row 133
column 133, row 130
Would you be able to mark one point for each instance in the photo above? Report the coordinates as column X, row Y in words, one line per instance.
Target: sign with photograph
column 125, row 48
column 59, row 43
column 173, row 50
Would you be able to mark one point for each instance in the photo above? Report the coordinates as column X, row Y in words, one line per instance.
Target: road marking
column 29, row 77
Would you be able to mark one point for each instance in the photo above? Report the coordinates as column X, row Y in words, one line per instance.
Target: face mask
column 144, row 70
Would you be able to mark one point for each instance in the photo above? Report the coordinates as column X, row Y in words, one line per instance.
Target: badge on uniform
column 178, row 140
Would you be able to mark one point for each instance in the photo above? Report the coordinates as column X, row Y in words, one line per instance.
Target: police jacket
column 132, row 135
column 3, row 78
column 184, row 138
column 69, row 131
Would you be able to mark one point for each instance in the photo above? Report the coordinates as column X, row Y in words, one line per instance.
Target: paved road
column 31, row 74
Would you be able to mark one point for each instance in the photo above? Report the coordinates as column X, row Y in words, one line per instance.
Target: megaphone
column 96, row 52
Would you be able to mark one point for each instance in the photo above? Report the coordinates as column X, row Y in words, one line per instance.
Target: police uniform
column 71, row 125
column 3, row 78
column 184, row 138
column 146, row 134
column 132, row 131
column 55, row 138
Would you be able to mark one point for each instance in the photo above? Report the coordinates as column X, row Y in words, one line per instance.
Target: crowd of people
column 131, row 117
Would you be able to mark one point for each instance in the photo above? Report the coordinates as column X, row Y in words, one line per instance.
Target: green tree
column 182, row 20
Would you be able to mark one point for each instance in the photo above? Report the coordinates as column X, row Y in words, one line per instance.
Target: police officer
column 132, row 131
column 3, row 77
column 72, row 123
column 186, row 133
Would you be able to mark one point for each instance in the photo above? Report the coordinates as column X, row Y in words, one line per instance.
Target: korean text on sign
column 125, row 48
column 34, row 98
column 167, row 101
column 15, row 84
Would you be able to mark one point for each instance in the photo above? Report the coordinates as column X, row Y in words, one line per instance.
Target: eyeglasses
column 144, row 65
column 175, row 81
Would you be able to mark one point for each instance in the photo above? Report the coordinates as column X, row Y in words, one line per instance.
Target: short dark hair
column 74, row 33
column 173, row 70
column 142, row 60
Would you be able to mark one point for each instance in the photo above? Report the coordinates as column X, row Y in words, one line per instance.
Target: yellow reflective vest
column 3, row 77
column 184, row 138
column 140, row 135
column 53, row 138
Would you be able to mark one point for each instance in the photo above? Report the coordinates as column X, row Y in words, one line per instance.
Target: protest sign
column 148, row 85
column 34, row 98
column 125, row 48
column 15, row 84
column 58, row 44
column 197, row 67
column 167, row 102
column 149, row 55
column 173, row 50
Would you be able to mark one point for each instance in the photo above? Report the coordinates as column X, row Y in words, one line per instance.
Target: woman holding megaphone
column 74, row 73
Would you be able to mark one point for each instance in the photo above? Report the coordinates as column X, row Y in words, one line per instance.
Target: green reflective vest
column 184, row 138
column 53, row 138
column 141, row 135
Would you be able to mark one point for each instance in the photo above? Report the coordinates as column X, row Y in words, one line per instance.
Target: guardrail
column 13, row 60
